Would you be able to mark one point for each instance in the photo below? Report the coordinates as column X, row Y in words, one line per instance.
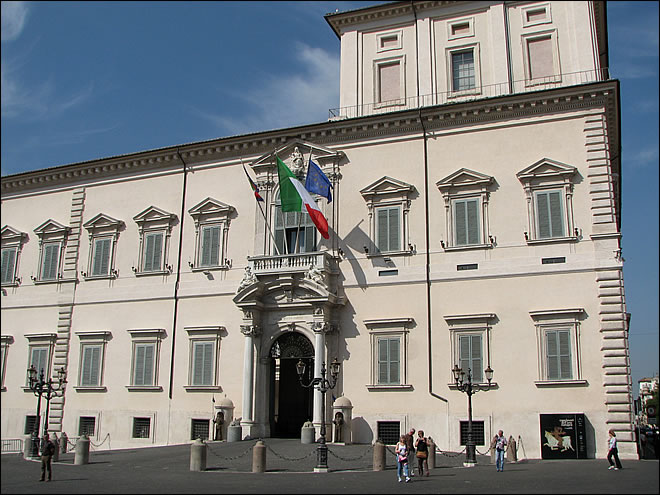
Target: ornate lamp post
column 49, row 389
column 322, row 385
column 464, row 384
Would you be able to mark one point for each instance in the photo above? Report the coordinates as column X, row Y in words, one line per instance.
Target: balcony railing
column 477, row 93
column 290, row 263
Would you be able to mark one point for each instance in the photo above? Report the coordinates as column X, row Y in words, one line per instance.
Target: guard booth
column 563, row 436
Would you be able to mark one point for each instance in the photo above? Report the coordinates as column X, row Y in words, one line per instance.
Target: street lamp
column 464, row 384
column 49, row 389
column 322, row 385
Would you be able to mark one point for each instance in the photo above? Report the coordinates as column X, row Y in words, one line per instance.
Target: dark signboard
column 563, row 436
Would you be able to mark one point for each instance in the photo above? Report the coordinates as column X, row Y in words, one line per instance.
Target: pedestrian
column 401, row 451
column 410, row 444
column 613, row 451
column 422, row 449
column 47, row 451
column 500, row 443
column 64, row 441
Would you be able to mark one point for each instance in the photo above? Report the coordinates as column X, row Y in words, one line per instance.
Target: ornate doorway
column 291, row 403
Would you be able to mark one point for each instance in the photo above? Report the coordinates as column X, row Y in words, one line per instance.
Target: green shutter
column 207, row 245
column 50, row 261
column 39, row 360
column 565, row 355
column 383, row 361
column 552, row 355
column 101, row 257
column 549, row 212
column 394, row 243
column 382, row 230
column 472, row 221
column 203, row 363
column 460, row 222
column 464, row 352
column 556, row 222
column 394, row 361
column 543, row 214
column 215, row 246
column 8, row 265
column 138, row 373
column 475, row 355
column 91, row 361
column 153, row 247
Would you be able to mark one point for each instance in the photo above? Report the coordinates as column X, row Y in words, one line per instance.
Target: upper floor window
column 541, row 58
column 12, row 244
column 389, row 352
column 389, row 41
column 40, row 352
column 52, row 241
column 549, row 191
column 536, row 14
column 388, row 202
column 155, row 227
column 92, row 354
column 389, row 81
column 146, row 357
column 470, row 342
column 558, row 342
column 103, row 233
column 466, row 195
column 204, row 352
column 212, row 219
column 460, row 28
column 294, row 231
column 463, row 70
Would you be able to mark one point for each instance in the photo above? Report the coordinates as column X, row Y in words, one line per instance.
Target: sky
column 88, row 80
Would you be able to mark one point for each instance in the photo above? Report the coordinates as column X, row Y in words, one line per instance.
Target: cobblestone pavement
column 290, row 466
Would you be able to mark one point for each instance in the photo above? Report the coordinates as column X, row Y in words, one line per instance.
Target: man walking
column 500, row 443
column 47, row 451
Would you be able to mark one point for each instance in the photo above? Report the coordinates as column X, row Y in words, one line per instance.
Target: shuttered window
column 466, row 221
column 462, row 67
column 8, row 265
column 549, row 214
column 50, row 261
column 101, row 259
column 203, row 365
column 143, row 368
column 153, row 249
column 540, row 55
column 39, row 359
column 90, row 370
column 389, row 361
column 210, row 246
column 388, row 227
column 558, row 354
column 470, row 356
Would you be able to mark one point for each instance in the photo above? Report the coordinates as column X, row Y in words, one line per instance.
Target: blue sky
column 86, row 80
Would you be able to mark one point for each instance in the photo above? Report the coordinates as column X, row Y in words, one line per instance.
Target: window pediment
column 320, row 154
column 387, row 188
column 11, row 236
column 154, row 215
column 51, row 228
column 465, row 179
column 103, row 222
column 546, row 170
column 210, row 209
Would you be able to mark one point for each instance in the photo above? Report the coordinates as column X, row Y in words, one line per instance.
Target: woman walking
column 401, row 451
column 613, row 452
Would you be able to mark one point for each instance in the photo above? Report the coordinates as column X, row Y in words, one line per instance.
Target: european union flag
column 317, row 182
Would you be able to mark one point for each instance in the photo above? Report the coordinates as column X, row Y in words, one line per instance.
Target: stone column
column 247, row 421
column 319, row 358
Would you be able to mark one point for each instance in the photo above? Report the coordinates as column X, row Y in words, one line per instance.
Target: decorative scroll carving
column 250, row 330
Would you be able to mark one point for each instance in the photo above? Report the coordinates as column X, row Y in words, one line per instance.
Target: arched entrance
column 290, row 402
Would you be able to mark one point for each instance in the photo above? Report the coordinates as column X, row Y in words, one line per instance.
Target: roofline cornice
column 328, row 133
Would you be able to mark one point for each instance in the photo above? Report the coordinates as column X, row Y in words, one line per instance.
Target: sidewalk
column 290, row 465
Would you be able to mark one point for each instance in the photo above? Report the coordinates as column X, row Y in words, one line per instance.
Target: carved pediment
column 12, row 236
column 387, row 187
column 295, row 154
column 51, row 228
column 546, row 169
column 464, row 178
column 103, row 221
column 154, row 214
column 210, row 209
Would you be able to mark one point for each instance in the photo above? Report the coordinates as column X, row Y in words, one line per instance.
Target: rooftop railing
column 472, row 94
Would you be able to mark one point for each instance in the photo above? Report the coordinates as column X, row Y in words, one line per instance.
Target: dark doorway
column 291, row 403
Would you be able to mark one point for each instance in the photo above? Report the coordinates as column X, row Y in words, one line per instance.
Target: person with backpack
column 422, row 453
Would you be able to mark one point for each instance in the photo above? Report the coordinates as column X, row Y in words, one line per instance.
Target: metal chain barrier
column 107, row 437
column 233, row 458
column 450, row 454
column 313, row 452
column 350, row 459
column 483, row 453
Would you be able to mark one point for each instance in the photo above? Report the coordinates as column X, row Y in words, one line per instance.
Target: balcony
column 477, row 93
column 292, row 263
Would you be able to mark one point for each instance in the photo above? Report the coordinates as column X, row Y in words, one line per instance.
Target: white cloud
column 644, row 157
column 14, row 15
column 286, row 100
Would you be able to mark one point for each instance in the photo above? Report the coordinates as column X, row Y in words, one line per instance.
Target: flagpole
column 286, row 240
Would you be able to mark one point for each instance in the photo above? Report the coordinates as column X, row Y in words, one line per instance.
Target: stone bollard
column 198, row 455
column 493, row 442
column 512, row 450
column 307, row 432
column 82, row 451
column 259, row 457
column 379, row 456
column 234, row 433
column 56, row 442
column 431, row 455
column 27, row 447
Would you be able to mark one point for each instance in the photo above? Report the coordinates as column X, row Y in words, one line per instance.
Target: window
column 52, row 240
column 146, row 355
column 5, row 342
column 40, row 350
column 549, row 192
column 388, row 41
column 12, row 244
column 536, row 14
column 87, row 426
column 141, row 427
column 155, row 228
column 477, row 432
column 470, row 343
column 388, row 221
column 199, row 429
column 460, row 28
column 463, row 70
column 389, row 339
column 541, row 58
column 388, row 202
column 204, row 351
column 30, row 424
column 294, row 231
column 212, row 219
column 389, row 81
column 389, row 432
column 466, row 194
column 558, row 340
column 92, row 354
column 103, row 234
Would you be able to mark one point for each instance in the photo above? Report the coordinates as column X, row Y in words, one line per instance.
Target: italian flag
column 294, row 197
